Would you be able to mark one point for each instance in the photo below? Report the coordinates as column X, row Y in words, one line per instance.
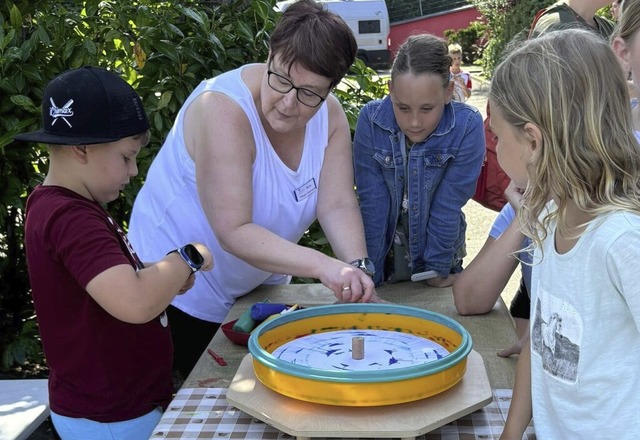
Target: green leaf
column 90, row 47
column 25, row 103
column 199, row 18
column 15, row 17
column 8, row 39
column 165, row 98
column 157, row 122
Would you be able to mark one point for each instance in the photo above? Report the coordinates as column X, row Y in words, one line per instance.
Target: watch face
column 193, row 254
column 368, row 265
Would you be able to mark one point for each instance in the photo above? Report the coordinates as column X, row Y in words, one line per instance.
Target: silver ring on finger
column 346, row 288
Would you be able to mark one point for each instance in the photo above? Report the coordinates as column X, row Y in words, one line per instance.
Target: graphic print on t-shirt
column 556, row 336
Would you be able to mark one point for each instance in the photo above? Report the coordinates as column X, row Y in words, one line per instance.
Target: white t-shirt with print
column 585, row 338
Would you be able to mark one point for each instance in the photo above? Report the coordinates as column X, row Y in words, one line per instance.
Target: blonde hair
column 629, row 23
column 455, row 48
column 570, row 85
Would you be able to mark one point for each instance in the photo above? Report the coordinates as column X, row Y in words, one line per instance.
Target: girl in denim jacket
column 417, row 156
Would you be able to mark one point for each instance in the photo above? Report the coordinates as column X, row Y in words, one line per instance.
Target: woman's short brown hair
column 316, row 38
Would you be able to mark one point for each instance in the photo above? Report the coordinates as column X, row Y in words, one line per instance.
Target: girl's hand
column 513, row 194
column 442, row 282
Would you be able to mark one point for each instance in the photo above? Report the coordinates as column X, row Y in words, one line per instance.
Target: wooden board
column 304, row 420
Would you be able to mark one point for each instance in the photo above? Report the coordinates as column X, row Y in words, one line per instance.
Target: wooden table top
column 491, row 332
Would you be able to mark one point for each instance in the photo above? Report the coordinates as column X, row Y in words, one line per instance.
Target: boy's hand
column 206, row 265
column 208, row 258
column 187, row 284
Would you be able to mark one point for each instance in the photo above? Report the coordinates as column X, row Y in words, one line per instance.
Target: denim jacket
column 442, row 175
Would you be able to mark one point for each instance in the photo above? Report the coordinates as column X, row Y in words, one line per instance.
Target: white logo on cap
column 61, row 112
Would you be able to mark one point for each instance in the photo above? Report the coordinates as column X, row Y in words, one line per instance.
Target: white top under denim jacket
column 442, row 172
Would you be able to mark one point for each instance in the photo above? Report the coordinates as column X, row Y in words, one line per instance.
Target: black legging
column 190, row 336
column 521, row 303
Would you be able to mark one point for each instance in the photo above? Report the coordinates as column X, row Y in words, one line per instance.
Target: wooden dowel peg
column 357, row 348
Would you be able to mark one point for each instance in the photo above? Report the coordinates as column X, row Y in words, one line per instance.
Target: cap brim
column 48, row 138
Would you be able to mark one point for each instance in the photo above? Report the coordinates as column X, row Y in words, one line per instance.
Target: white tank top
column 167, row 211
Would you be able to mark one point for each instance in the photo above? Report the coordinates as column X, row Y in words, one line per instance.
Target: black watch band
column 366, row 265
column 191, row 256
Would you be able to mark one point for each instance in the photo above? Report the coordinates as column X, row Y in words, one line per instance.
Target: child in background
column 100, row 310
column 572, row 147
column 568, row 14
column 615, row 9
column 461, row 79
column 417, row 157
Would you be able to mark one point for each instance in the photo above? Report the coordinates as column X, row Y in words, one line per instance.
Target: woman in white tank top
column 254, row 157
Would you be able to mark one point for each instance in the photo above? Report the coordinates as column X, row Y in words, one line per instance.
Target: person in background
column 417, row 157
column 254, row 157
column 461, row 79
column 615, row 9
column 570, row 14
column 479, row 285
column 100, row 310
column 626, row 45
column 581, row 210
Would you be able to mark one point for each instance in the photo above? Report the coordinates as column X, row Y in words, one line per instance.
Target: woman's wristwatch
column 366, row 265
column 191, row 256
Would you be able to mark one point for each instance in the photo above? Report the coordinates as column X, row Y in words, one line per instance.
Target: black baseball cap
column 88, row 105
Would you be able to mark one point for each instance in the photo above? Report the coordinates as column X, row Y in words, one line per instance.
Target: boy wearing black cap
column 100, row 310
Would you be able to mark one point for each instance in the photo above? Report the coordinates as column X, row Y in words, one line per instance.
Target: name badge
column 305, row 190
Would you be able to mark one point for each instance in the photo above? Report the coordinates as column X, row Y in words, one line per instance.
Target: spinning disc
column 383, row 351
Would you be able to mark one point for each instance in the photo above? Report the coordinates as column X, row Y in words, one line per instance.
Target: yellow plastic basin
column 360, row 388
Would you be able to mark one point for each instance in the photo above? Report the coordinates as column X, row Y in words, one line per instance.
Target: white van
column 369, row 22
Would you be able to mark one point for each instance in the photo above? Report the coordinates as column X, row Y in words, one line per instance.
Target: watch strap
column 193, row 266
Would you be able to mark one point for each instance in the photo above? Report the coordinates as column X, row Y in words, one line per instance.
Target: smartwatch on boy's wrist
column 191, row 256
column 366, row 265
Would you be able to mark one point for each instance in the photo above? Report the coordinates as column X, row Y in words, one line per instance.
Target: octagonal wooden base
column 306, row 420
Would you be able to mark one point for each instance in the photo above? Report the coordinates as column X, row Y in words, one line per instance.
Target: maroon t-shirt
column 101, row 368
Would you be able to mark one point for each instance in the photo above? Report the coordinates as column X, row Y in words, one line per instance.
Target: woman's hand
column 349, row 284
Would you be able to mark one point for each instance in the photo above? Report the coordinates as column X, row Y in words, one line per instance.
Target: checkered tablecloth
column 204, row 413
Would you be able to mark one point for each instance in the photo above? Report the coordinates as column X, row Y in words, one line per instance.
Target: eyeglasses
column 283, row 85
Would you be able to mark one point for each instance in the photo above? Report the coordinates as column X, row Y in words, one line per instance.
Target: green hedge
column 164, row 49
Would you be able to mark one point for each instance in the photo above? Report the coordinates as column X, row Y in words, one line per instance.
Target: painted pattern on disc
column 383, row 350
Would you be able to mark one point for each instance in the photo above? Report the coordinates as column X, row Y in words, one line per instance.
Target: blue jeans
column 70, row 428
